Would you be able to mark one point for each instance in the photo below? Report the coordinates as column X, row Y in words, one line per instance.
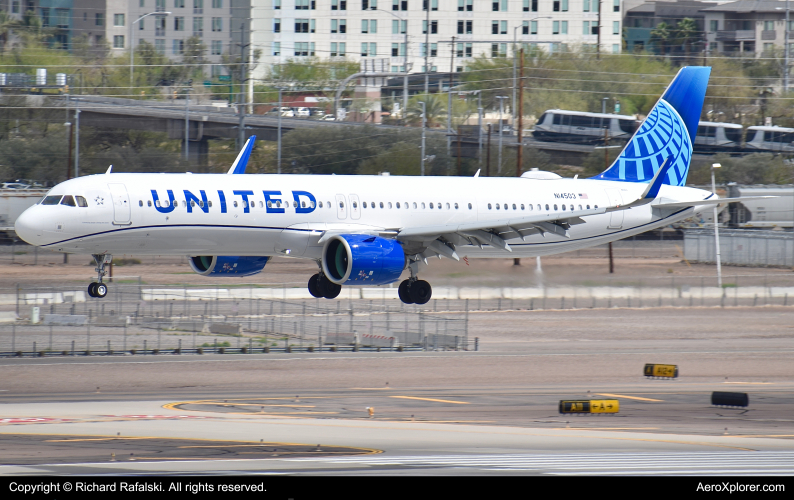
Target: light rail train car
column 773, row 139
column 581, row 127
column 717, row 137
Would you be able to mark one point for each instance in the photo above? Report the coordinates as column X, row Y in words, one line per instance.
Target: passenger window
column 148, row 203
column 261, row 205
column 235, row 204
column 469, row 206
column 209, row 203
column 201, row 203
column 321, row 204
column 294, row 204
column 571, row 208
column 522, row 206
column 456, row 206
column 355, row 205
column 82, row 203
column 414, row 205
column 547, row 206
column 381, row 204
column 157, row 203
column 269, row 204
column 514, row 206
column 423, row 205
column 389, row 204
column 580, row 207
column 365, row 204
column 431, row 204
column 328, row 204
column 398, row 204
column 489, row 206
column 439, row 206
column 184, row 203
column 341, row 204
column 406, row 205
column 595, row 206
column 68, row 200
column 563, row 208
column 530, row 207
column 140, row 203
column 588, row 207
column 192, row 203
column 497, row 206
column 505, row 206
column 555, row 207
column 303, row 204
column 447, row 206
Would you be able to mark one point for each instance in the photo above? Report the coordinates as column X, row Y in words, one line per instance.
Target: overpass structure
column 214, row 122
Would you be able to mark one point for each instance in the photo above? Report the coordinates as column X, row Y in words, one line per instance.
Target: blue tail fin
column 238, row 167
column 668, row 132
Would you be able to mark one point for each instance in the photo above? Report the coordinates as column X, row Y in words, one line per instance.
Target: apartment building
column 407, row 34
column 747, row 28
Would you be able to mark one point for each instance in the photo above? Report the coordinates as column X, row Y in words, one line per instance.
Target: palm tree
column 686, row 32
column 661, row 36
column 435, row 110
column 6, row 25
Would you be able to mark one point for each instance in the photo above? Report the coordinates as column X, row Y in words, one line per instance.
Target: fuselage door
column 341, row 206
column 121, row 203
column 355, row 207
column 615, row 218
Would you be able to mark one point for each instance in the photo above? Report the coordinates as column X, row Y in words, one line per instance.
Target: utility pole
column 488, row 154
column 520, row 151
column 278, row 160
column 187, row 122
column 427, row 49
column 786, row 51
column 77, row 142
column 499, row 129
column 479, row 126
column 460, row 171
column 424, row 126
column 598, row 40
column 241, row 100
column 449, row 99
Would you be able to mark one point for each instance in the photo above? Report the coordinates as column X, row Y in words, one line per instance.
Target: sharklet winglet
column 238, row 167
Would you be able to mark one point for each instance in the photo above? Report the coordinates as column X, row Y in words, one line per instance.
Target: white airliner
column 368, row 230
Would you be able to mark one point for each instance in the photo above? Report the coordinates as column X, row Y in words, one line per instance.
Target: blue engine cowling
column 220, row 265
column 360, row 259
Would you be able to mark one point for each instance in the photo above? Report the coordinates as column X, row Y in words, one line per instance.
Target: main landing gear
column 99, row 289
column 414, row 291
column 320, row 286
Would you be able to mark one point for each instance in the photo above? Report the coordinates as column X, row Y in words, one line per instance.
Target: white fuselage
column 123, row 216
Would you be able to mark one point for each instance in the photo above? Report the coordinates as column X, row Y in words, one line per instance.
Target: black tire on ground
column 314, row 288
column 421, row 291
column 403, row 292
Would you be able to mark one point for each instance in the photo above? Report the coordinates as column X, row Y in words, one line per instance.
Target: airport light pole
column 132, row 41
column 501, row 110
column 716, row 227
column 278, row 159
column 405, row 67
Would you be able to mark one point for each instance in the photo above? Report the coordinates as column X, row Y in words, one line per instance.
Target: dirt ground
column 635, row 263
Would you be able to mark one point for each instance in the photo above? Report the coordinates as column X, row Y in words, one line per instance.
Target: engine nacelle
column 360, row 259
column 219, row 265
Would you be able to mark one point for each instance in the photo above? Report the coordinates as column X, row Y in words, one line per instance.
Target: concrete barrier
column 225, row 328
column 65, row 319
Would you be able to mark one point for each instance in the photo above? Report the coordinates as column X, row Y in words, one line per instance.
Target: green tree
column 686, row 32
column 435, row 110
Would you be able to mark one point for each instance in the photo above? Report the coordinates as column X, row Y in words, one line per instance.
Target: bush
column 133, row 351
column 221, row 350
column 199, row 351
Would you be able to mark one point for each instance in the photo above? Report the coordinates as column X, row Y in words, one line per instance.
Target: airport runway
column 456, row 413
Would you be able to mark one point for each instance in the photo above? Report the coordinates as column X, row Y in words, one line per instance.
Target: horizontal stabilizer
column 715, row 201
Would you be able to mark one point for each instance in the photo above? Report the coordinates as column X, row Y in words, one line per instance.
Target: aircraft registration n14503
column 370, row 230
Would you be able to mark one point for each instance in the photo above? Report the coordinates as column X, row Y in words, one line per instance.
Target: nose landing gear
column 99, row 289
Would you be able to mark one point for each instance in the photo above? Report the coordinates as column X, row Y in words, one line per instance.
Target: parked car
column 302, row 112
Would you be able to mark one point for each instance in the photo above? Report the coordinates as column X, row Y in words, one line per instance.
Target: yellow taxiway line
column 630, row 397
column 431, row 399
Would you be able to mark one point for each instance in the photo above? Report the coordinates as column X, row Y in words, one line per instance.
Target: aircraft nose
column 25, row 227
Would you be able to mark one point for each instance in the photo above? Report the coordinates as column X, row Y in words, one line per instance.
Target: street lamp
column 501, row 110
column 132, row 40
column 515, row 42
column 716, row 227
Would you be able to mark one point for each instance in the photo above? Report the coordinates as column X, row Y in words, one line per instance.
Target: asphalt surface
column 494, row 411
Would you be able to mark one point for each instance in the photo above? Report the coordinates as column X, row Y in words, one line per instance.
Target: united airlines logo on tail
column 662, row 135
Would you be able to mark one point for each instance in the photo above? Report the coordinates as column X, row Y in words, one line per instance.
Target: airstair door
column 121, row 204
column 615, row 218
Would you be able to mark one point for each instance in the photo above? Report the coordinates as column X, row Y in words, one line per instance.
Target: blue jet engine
column 219, row 265
column 361, row 259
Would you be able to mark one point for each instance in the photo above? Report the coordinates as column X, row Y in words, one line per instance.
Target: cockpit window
column 68, row 200
column 52, row 200
column 81, row 201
